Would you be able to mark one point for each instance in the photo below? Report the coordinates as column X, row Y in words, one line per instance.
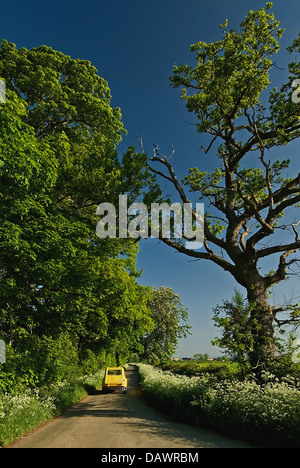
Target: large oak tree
column 252, row 204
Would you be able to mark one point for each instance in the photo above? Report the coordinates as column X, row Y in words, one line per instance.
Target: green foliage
column 221, row 370
column 24, row 411
column 170, row 323
column 234, row 318
column 231, row 73
column 69, row 301
column 266, row 415
column 19, row 414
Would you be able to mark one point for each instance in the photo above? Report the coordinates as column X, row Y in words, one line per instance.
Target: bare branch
column 295, row 231
column 277, row 249
column 173, row 178
column 209, row 255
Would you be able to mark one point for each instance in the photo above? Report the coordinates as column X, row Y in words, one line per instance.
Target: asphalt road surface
column 118, row 420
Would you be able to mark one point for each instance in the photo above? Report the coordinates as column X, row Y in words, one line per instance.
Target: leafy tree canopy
column 170, row 323
column 58, row 161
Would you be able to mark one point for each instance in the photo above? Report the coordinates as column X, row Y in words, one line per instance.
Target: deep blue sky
column 134, row 45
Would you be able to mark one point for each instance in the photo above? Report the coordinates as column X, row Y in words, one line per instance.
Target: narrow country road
column 120, row 421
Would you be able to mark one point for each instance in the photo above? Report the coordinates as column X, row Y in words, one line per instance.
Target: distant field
column 193, row 367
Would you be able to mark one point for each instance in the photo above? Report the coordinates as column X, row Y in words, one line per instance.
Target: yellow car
column 114, row 379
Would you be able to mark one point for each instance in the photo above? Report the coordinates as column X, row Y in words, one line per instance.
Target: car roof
column 116, row 367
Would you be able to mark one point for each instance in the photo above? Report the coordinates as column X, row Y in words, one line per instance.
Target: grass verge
column 21, row 413
column 265, row 415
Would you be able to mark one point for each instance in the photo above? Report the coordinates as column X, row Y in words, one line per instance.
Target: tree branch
column 173, row 178
column 209, row 255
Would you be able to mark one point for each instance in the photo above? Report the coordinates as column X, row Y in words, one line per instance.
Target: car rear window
column 114, row 372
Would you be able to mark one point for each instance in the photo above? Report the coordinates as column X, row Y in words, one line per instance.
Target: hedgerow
column 267, row 414
column 23, row 412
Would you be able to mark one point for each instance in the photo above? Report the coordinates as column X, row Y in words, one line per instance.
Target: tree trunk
column 262, row 319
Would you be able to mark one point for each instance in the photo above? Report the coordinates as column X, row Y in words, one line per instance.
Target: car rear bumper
column 113, row 388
